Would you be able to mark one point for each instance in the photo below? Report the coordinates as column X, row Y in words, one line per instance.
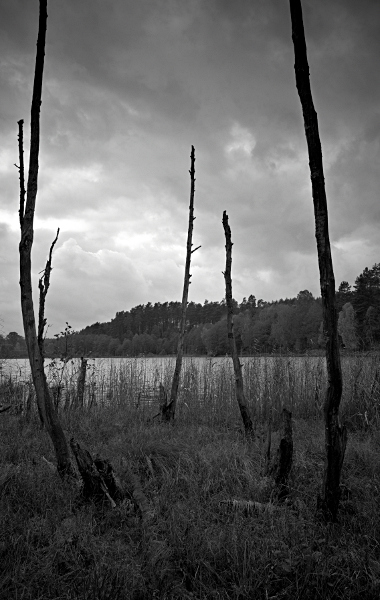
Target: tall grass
column 207, row 388
column 194, row 545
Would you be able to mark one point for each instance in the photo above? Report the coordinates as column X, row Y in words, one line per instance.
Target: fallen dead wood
column 102, row 486
column 99, row 482
column 5, row 408
column 49, row 464
column 249, row 507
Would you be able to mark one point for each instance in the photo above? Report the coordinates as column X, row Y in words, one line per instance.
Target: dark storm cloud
column 128, row 87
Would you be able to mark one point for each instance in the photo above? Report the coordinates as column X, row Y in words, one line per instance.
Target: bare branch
column 43, row 285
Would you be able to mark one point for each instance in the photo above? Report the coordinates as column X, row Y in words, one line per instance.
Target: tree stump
column 280, row 469
column 100, row 484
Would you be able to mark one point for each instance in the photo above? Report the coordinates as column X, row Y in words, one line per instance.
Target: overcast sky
column 128, row 87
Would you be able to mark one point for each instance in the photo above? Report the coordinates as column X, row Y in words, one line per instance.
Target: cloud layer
column 128, row 87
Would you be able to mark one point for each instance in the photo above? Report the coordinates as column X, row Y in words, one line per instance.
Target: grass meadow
column 195, row 543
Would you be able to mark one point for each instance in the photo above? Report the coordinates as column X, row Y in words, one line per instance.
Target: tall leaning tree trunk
column 46, row 410
column 168, row 409
column 335, row 435
column 247, row 421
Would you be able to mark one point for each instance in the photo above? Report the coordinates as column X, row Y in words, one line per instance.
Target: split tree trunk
column 99, row 481
column 46, row 410
column 335, row 435
column 248, row 425
column 168, row 409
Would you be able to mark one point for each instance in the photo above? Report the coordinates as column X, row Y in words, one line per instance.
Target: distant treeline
column 290, row 325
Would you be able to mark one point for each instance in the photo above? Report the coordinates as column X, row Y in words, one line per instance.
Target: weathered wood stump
column 100, row 483
column 281, row 466
column 165, row 406
column 102, row 486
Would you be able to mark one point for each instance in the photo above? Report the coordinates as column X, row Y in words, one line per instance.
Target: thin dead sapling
column 168, row 408
column 247, row 421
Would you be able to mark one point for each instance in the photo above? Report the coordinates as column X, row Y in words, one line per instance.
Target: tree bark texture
column 247, row 421
column 46, row 410
column 335, row 435
column 168, row 410
column 282, row 465
column 99, row 481
column 81, row 383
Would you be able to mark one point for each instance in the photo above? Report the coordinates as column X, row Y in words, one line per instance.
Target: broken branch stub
column 43, row 285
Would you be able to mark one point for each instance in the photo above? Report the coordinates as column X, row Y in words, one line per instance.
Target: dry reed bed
column 207, row 389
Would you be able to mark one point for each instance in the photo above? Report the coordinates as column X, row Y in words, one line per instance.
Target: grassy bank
column 195, row 544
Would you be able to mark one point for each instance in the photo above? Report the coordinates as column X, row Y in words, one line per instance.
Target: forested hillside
column 290, row 325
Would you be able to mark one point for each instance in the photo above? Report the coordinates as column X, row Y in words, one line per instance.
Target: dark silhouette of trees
column 285, row 325
column 366, row 302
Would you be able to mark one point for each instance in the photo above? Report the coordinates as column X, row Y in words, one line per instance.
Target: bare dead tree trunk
column 282, row 464
column 46, row 410
column 81, row 382
column 248, row 425
column 168, row 409
column 335, row 435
